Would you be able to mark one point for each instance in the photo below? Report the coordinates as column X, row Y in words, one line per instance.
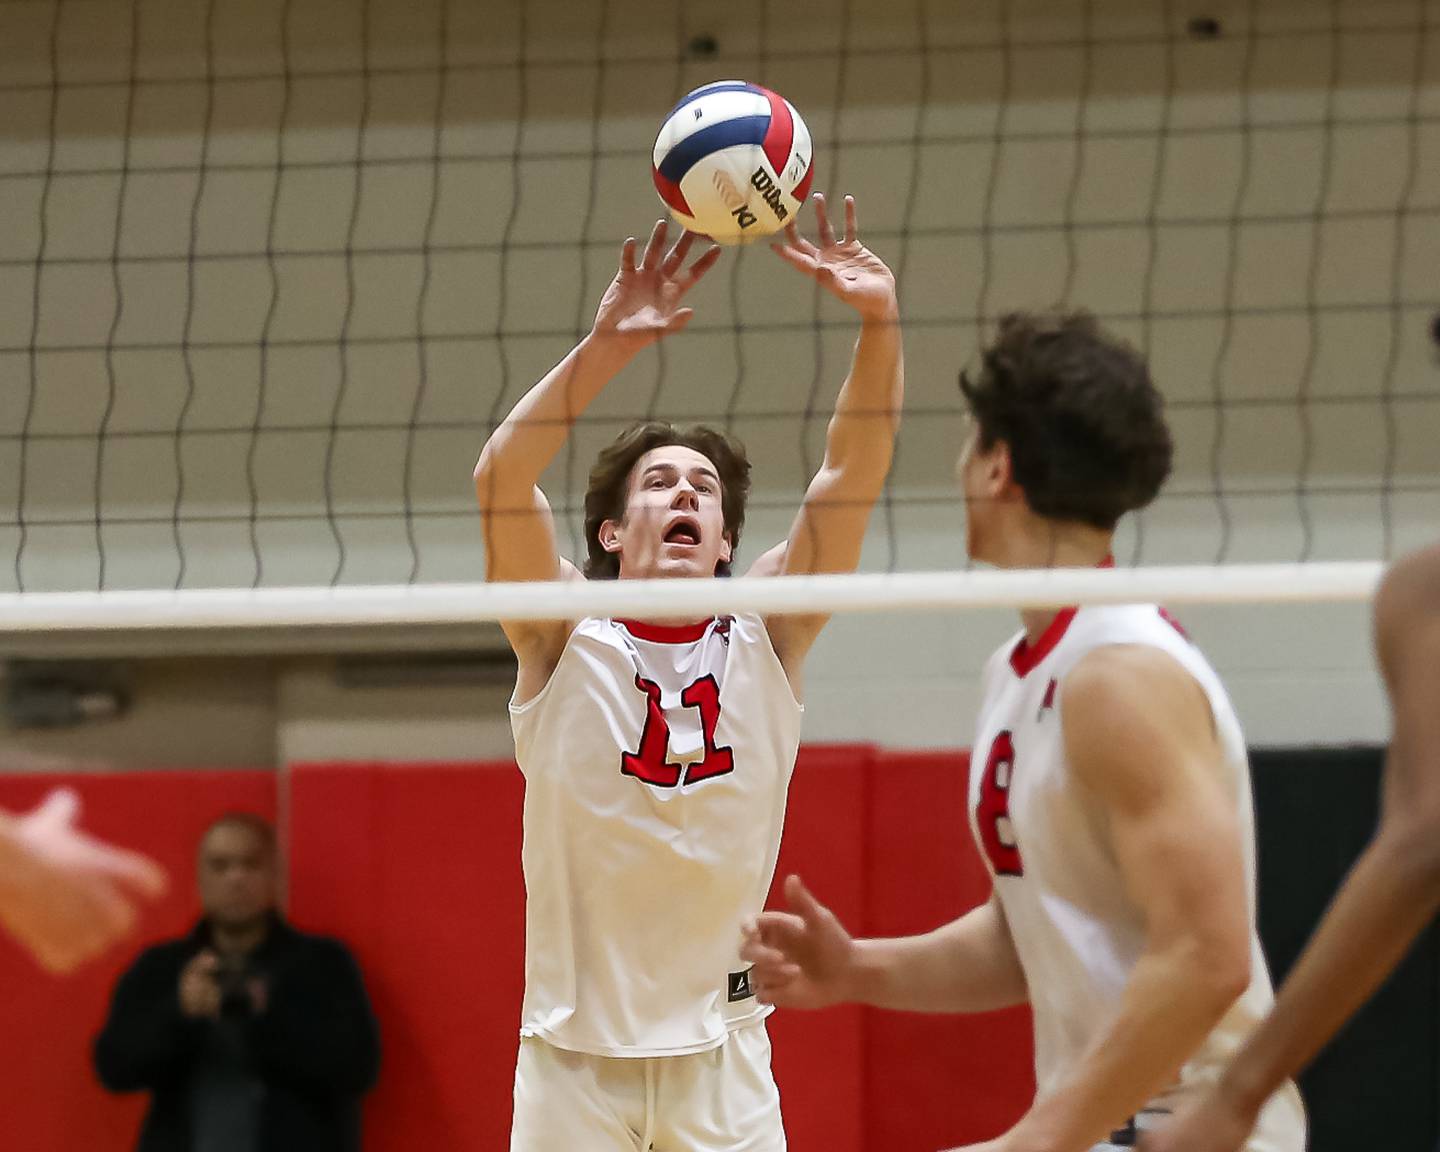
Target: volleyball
column 733, row 162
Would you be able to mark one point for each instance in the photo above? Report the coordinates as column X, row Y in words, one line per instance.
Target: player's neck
column 1043, row 543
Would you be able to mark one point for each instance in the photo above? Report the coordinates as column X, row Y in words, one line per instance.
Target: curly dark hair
column 609, row 485
column 1084, row 422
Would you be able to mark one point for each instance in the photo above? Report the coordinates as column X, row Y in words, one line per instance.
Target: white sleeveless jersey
column 656, row 765
column 1046, row 844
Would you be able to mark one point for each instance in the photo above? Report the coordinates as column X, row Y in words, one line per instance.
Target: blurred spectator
column 249, row 1035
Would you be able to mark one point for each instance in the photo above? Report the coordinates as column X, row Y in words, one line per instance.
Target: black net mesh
column 270, row 271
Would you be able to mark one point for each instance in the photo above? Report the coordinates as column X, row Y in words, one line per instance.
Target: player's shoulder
column 1140, row 696
column 590, row 627
column 1410, row 589
column 1128, row 696
column 1135, row 623
column 746, row 625
column 1122, row 673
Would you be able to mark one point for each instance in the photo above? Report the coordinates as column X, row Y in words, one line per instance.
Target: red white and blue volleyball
column 733, row 161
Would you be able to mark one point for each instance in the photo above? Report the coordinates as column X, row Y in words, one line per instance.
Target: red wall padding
column 417, row 867
column 820, row 1056
column 49, row 1098
column 936, row 1081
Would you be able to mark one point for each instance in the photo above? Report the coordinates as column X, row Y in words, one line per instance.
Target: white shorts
column 723, row 1100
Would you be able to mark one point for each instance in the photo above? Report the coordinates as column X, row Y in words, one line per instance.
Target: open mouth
column 685, row 532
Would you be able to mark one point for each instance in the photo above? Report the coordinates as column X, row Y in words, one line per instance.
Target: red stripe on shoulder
column 1174, row 623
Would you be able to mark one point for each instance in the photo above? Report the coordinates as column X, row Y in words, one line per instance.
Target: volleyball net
column 270, row 274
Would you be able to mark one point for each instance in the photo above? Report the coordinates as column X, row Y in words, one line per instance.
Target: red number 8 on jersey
column 992, row 813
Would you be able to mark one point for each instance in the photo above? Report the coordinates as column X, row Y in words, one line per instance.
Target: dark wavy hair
column 1084, row 422
column 609, row 485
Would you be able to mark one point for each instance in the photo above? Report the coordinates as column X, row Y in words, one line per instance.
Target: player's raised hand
column 643, row 302
column 66, row 896
column 801, row 958
column 849, row 270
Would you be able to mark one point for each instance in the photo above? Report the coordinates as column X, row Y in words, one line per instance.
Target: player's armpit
column 539, row 644
column 520, row 546
column 770, row 562
column 826, row 537
column 1140, row 734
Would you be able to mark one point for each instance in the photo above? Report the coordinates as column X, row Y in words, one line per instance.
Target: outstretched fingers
column 852, row 233
column 797, row 251
column 809, row 910
column 796, row 259
column 654, row 246
column 798, row 242
column 676, row 256
column 138, row 873
column 822, row 221
column 691, row 276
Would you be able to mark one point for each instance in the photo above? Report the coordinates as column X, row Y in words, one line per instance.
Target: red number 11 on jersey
column 992, row 813
column 651, row 762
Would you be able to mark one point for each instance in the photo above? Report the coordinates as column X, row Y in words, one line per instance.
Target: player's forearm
column 1173, row 1000
column 860, row 439
column 1389, row 897
column 531, row 436
column 969, row 965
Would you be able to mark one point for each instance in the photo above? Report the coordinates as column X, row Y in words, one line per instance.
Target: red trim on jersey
column 1174, row 623
column 779, row 135
column 1025, row 657
column 665, row 633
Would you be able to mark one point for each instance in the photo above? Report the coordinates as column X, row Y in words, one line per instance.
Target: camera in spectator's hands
column 234, row 984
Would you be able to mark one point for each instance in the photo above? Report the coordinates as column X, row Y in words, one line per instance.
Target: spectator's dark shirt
column 227, row 1095
column 296, row 1070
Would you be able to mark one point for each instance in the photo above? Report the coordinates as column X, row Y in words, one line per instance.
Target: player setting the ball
column 657, row 753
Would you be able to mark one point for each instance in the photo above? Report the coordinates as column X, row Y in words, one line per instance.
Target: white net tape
column 426, row 604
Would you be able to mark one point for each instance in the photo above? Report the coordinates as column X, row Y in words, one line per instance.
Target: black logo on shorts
column 740, row 986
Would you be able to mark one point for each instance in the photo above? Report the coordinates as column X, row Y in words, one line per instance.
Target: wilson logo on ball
column 733, row 161
column 770, row 193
